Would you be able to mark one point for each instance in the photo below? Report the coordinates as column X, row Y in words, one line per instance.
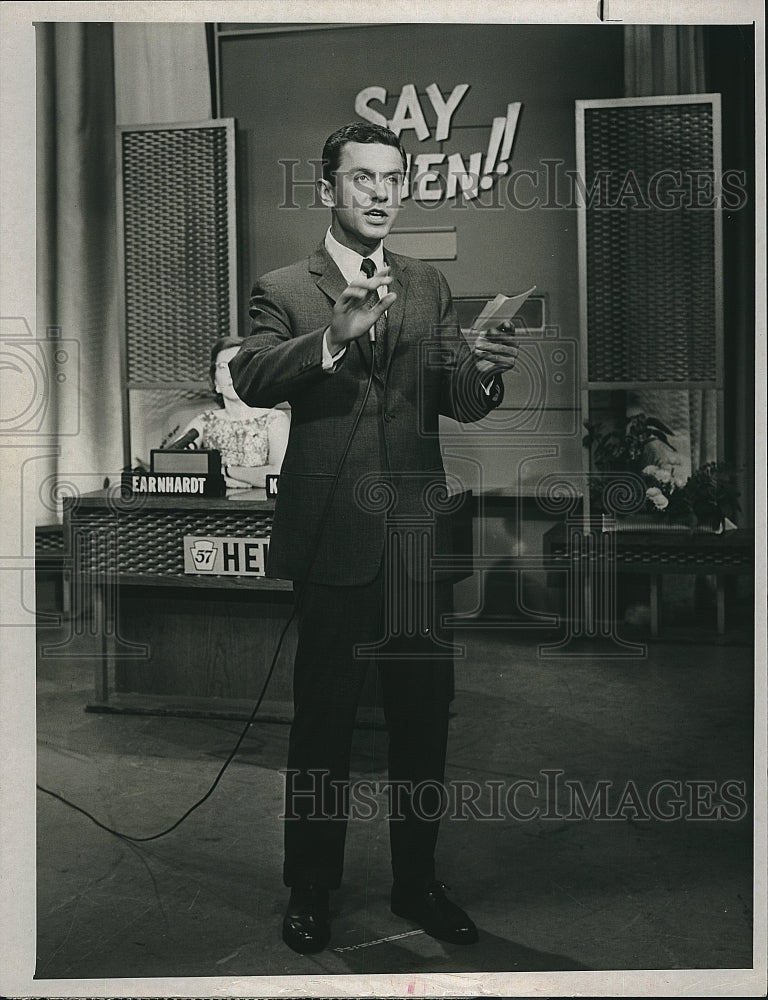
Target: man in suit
column 365, row 346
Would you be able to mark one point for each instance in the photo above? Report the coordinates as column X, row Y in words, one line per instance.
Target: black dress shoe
column 439, row 917
column 306, row 926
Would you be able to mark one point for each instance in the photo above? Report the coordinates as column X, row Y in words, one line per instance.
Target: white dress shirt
column 348, row 262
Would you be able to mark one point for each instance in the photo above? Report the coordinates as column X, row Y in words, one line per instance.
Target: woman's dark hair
column 357, row 132
column 220, row 345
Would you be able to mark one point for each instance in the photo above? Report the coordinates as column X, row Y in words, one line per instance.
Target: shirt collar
column 348, row 261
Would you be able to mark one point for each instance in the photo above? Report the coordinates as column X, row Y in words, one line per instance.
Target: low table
column 664, row 551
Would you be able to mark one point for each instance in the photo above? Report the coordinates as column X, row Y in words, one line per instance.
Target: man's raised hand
column 353, row 315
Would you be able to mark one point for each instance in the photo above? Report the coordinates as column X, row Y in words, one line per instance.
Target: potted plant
column 708, row 499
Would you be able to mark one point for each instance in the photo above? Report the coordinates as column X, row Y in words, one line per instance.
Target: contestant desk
column 165, row 641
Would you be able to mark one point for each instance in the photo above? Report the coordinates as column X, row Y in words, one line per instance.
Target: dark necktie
column 379, row 348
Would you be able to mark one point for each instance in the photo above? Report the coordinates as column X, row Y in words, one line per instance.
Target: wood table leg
column 66, row 592
column 654, row 596
column 104, row 668
column 720, row 591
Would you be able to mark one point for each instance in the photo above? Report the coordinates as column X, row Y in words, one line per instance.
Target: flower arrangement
column 709, row 497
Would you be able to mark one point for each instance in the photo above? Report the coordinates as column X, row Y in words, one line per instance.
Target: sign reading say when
column 436, row 176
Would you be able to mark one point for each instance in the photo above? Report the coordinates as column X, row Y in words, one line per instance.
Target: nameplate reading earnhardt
column 206, row 554
column 169, row 483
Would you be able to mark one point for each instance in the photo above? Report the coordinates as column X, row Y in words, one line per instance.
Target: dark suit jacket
column 429, row 370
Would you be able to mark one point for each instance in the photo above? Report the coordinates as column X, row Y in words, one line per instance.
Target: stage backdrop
column 445, row 84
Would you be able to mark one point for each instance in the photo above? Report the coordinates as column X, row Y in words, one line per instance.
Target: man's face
column 364, row 196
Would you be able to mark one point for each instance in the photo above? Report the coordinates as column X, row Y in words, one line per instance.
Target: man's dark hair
column 356, row 132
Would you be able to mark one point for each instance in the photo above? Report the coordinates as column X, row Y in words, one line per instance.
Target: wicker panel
column 708, row 558
column 650, row 271
column 176, row 237
column 150, row 542
column 49, row 540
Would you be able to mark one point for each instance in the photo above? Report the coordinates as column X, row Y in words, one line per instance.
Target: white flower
column 657, row 498
column 658, row 473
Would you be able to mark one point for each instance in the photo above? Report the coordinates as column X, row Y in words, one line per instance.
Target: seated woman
column 252, row 440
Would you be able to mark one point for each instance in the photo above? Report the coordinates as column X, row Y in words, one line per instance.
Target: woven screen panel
column 651, row 270
column 151, row 542
column 49, row 540
column 176, row 237
column 707, row 558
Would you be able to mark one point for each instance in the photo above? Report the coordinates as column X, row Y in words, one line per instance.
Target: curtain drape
column 76, row 255
column 161, row 73
column 730, row 58
column 91, row 76
column 661, row 60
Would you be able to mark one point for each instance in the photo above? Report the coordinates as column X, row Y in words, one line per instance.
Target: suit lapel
column 396, row 311
column 332, row 283
column 328, row 277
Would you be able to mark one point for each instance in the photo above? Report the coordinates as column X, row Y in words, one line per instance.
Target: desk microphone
column 183, row 441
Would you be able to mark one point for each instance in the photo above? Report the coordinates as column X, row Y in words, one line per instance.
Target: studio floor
column 548, row 890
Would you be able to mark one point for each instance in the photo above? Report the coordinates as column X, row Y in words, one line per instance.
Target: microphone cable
column 300, row 591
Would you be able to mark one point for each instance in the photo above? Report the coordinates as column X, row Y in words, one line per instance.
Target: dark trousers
column 417, row 687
